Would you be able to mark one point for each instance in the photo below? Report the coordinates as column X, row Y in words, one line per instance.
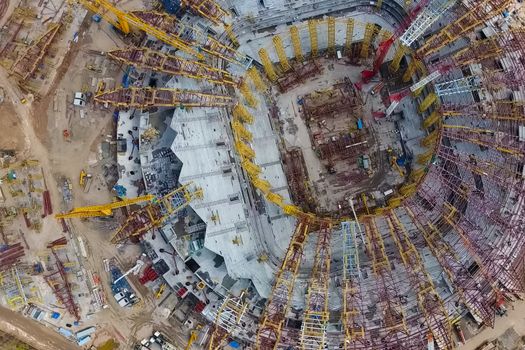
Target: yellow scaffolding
column 240, row 112
column 163, row 62
column 275, row 198
column 331, row 36
column 411, row 69
column 432, row 119
column 251, row 168
column 296, row 43
column 408, row 3
column 104, row 209
column 430, row 139
column 349, row 35
column 122, row 21
column 475, row 16
column 231, row 35
column 262, row 185
column 367, row 39
column 156, row 213
column 241, row 132
column 144, row 97
column 267, row 64
column 396, row 60
column 429, row 301
column 427, row 102
column 245, row 151
column 254, row 75
column 248, row 94
column 312, row 30
column 279, row 48
column 379, row 4
column 424, row 158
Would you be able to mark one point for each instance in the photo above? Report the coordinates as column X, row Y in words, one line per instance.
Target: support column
column 331, row 36
column 312, row 29
column 296, row 43
column 367, row 39
column 279, row 48
column 349, row 35
column 268, row 65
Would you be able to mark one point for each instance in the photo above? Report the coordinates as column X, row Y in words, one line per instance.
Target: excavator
column 193, row 337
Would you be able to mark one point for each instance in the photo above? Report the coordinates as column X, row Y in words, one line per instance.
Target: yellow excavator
column 193, row 336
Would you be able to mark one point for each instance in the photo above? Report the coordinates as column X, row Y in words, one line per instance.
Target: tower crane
column 156, row 213
column 103, row 209
column 123, row 21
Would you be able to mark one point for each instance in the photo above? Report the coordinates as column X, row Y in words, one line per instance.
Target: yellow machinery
column 193, row 336
column 82, row 178
column 123, row 21
column 104, row 209
column 155, row 214
column 160, row 291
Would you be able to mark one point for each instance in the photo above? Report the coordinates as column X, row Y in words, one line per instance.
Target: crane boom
column 103, row 209
column 124, row 20
column 154, row 214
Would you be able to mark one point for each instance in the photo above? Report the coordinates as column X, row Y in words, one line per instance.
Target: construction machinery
column 193, row 337
column 104, row 209
column 155, row 213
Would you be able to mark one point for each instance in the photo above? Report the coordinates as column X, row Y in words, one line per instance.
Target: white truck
column 80, row 99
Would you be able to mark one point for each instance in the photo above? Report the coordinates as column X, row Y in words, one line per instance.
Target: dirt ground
column 14, row 139
column 515, row 318
column 32, row 332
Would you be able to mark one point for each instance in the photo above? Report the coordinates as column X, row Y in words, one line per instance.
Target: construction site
column 262, row 174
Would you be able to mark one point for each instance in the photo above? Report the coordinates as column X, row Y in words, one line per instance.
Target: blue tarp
column 234, row 344
column 359, row 123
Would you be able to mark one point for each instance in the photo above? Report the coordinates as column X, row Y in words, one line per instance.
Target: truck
column 79, row 99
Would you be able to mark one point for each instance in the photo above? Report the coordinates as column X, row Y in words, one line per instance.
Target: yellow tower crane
column 123, row 22
column 349, row 35
column 281, row 53
column 312, row 30
column 104, row 209
column 331, row 35
column 156, row 213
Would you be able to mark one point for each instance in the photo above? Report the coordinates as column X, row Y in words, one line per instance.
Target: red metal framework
column 10, row 255
column 27, row 64
column 430, row 303
column 169, row 64
column 394, row 323
column 274, row 314
column 59, row 283
column 151, row 97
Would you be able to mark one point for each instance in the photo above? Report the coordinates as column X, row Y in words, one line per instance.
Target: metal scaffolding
column 248, row 95
column 386, row 288
column 349, row 35
column 424, row 20
column 276, row 310
column 352, row 317
column 154, row 214
column 158, row 61
column 279, row 48
column 458, row 86
column 268, row 65
column 367, row 39
column 256, row 79
column 296, row 43
column 312, row 30
column 316, row 314
column 331, row 36
column 228, row 321
column 206, row 8
column 396, row 60
column 430, row 303
column 27, row 64
column 480, row 12
column 151, row 97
